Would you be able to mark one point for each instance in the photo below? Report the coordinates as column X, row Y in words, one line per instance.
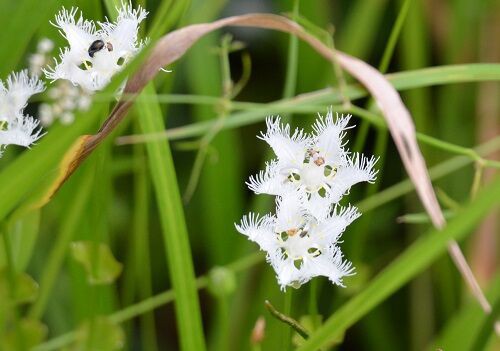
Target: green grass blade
column 174, row 228
column 413, row 261
column 19, row 24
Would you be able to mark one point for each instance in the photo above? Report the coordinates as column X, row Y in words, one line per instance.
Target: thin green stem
column 285, row 318
column 476, row 182
column 287, row 311
column 393, row 37
column 313, row 303
column 292, row 58
column 227, row 92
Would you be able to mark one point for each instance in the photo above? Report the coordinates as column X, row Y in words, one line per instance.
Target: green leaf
column 97, row 260
column 23, row 233
column 19, row 23
column 175, row 235
column 99, row 334
column 31, row 332
column 413, row 261
column 25, row 289
column 468, row 323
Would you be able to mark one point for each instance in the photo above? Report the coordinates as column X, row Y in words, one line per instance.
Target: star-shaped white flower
column 15, row 127
column 318, row 165
column 300, row 246
column 95, row 55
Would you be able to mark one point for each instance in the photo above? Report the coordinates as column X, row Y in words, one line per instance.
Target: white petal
column 331, row 265
column 259, row 229
column 318, row 206
column 22, row 131
column 15, row 94
column 290, row 150
column 358, row 169
column 290, row 214
column 328, row 231
column 123, row 34
column 79, row 33
column 269, row 181
column 329, row 134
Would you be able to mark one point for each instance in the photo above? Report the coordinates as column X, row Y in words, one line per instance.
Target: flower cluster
column 96, row 51
column 16, row 128
column 311, row 174
column 63, row 98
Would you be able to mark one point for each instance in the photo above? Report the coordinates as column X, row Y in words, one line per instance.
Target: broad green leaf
column 30, row 333
column 25, row 289
column 97, row 260
column 98, row 334
column 23, row 234
column 19, row 23
column 175, row 235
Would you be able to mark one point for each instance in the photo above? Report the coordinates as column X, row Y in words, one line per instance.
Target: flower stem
column 287, row 309
column 313, row 303
column 288, row 320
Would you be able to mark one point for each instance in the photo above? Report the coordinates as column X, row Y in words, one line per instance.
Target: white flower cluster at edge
column 310, row 175
column 16, row 128
column 63, row 98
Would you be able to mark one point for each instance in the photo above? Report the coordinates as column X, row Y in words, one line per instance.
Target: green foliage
column 131, row 232
column 98, row 261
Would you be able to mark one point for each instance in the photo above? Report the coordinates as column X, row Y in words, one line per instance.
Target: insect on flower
column 97, row 50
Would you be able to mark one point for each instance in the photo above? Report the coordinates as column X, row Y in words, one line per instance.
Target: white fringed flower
column 21, row 131
column 317, row 165
column 95, row 55
column 300, row 246
column 309, row 177
column 14, row 94
column 15, row 127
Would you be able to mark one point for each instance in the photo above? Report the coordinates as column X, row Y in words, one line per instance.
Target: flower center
column 312, row 176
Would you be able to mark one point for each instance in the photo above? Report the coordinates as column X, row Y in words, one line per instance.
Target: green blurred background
column 110, row 199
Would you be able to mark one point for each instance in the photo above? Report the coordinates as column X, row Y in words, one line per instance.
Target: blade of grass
column 174, row 229
column 19, row 24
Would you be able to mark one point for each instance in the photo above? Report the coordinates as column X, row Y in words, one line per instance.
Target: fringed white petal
column 328, row 135
column 332, row 265
column 15, row 94
column 358, row 169
column 268, row 181
column 22, row 131
column 290, row 214
column 79, row 33
column 259, row 230
column 329, row 231
column 290, row 149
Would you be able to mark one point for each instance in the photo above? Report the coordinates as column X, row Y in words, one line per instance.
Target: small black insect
column 96, row 46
